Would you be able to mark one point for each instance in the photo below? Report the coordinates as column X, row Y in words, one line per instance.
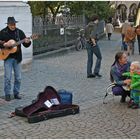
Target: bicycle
column 80, row 41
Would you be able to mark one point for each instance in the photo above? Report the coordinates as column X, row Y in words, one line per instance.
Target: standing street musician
column 8, row 38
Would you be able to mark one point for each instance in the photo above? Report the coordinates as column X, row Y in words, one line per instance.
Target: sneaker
column 98, row 75
column 135, row 106
column 7, row 98
column 130, row 103
column 91, row 76
column 17, row 97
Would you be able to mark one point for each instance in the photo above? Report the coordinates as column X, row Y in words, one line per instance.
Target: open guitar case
column 47, row 105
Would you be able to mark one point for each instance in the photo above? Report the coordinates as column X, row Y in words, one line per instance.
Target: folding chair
column 108, row 92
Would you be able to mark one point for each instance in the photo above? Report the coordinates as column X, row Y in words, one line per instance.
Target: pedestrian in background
column 109, row 29
column 129, row 39
column 138, row 37
column 123, row 32
column 91, row 35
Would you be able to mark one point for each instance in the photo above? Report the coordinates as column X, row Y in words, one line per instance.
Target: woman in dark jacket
column 120, row 66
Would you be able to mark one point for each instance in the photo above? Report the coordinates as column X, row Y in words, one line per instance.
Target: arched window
column 122, row 12
column 132, row 13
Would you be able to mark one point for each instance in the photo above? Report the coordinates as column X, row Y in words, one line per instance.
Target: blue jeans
column 138, row 38
column 9, row 65
column 124, row 45
column 96, row 51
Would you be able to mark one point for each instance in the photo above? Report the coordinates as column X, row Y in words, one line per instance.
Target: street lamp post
column 65, row 35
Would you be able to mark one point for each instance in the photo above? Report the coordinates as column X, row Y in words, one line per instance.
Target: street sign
column 62, row 31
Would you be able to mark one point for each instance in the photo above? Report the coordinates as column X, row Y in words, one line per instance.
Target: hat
column 11, row 20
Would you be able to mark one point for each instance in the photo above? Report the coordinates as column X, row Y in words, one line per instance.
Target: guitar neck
column 19, row 42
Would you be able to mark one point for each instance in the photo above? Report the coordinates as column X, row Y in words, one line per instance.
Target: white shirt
column 109, row 28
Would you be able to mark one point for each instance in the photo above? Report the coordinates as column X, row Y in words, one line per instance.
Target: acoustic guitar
column 126, row 88
column 4, row 52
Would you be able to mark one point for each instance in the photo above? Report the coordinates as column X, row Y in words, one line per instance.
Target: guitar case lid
column 44, row 99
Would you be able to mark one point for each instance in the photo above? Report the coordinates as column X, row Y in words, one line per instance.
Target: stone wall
column 21, row 12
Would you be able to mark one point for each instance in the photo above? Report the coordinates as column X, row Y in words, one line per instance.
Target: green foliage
column 88, row 8
column 37, row 7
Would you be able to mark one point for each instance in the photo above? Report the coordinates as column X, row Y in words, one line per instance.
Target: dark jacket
column 117, row 71
column 1, row 46
column 6, row 34
column 91, row 30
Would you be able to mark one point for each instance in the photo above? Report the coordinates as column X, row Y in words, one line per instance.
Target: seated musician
column 120, row 66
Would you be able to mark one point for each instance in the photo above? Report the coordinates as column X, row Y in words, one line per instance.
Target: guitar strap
column 17, row 35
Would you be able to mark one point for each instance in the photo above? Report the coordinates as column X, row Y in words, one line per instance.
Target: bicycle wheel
column 78, row 45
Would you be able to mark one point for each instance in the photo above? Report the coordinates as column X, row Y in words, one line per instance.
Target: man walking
column 91, row 35
column 13, row 61
column 109, row 30
column 123, row 32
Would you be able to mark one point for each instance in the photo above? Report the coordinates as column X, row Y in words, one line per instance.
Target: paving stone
column 68, row 71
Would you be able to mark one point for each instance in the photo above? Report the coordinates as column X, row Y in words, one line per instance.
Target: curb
column 55, row 52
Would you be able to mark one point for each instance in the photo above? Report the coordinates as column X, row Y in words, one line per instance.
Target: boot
column 17, row 97
column 7, row 98
column 123, row 98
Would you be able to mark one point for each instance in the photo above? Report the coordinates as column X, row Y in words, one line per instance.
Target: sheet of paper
column 48, row 103
column 55, row 101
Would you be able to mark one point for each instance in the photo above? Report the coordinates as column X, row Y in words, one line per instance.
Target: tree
column 100, row 8
column 42, row 7
column 88, row 8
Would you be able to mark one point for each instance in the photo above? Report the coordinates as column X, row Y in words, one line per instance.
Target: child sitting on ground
column 135, row 84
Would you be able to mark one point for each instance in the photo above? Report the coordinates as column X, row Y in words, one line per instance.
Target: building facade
column 126, row 10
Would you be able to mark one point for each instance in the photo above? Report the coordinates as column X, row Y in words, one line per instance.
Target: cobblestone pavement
column 68, row 71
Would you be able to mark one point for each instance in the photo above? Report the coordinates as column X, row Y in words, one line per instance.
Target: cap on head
column 11, row 20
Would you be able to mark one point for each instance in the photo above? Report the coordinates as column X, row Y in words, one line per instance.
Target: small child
column 135, row 84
